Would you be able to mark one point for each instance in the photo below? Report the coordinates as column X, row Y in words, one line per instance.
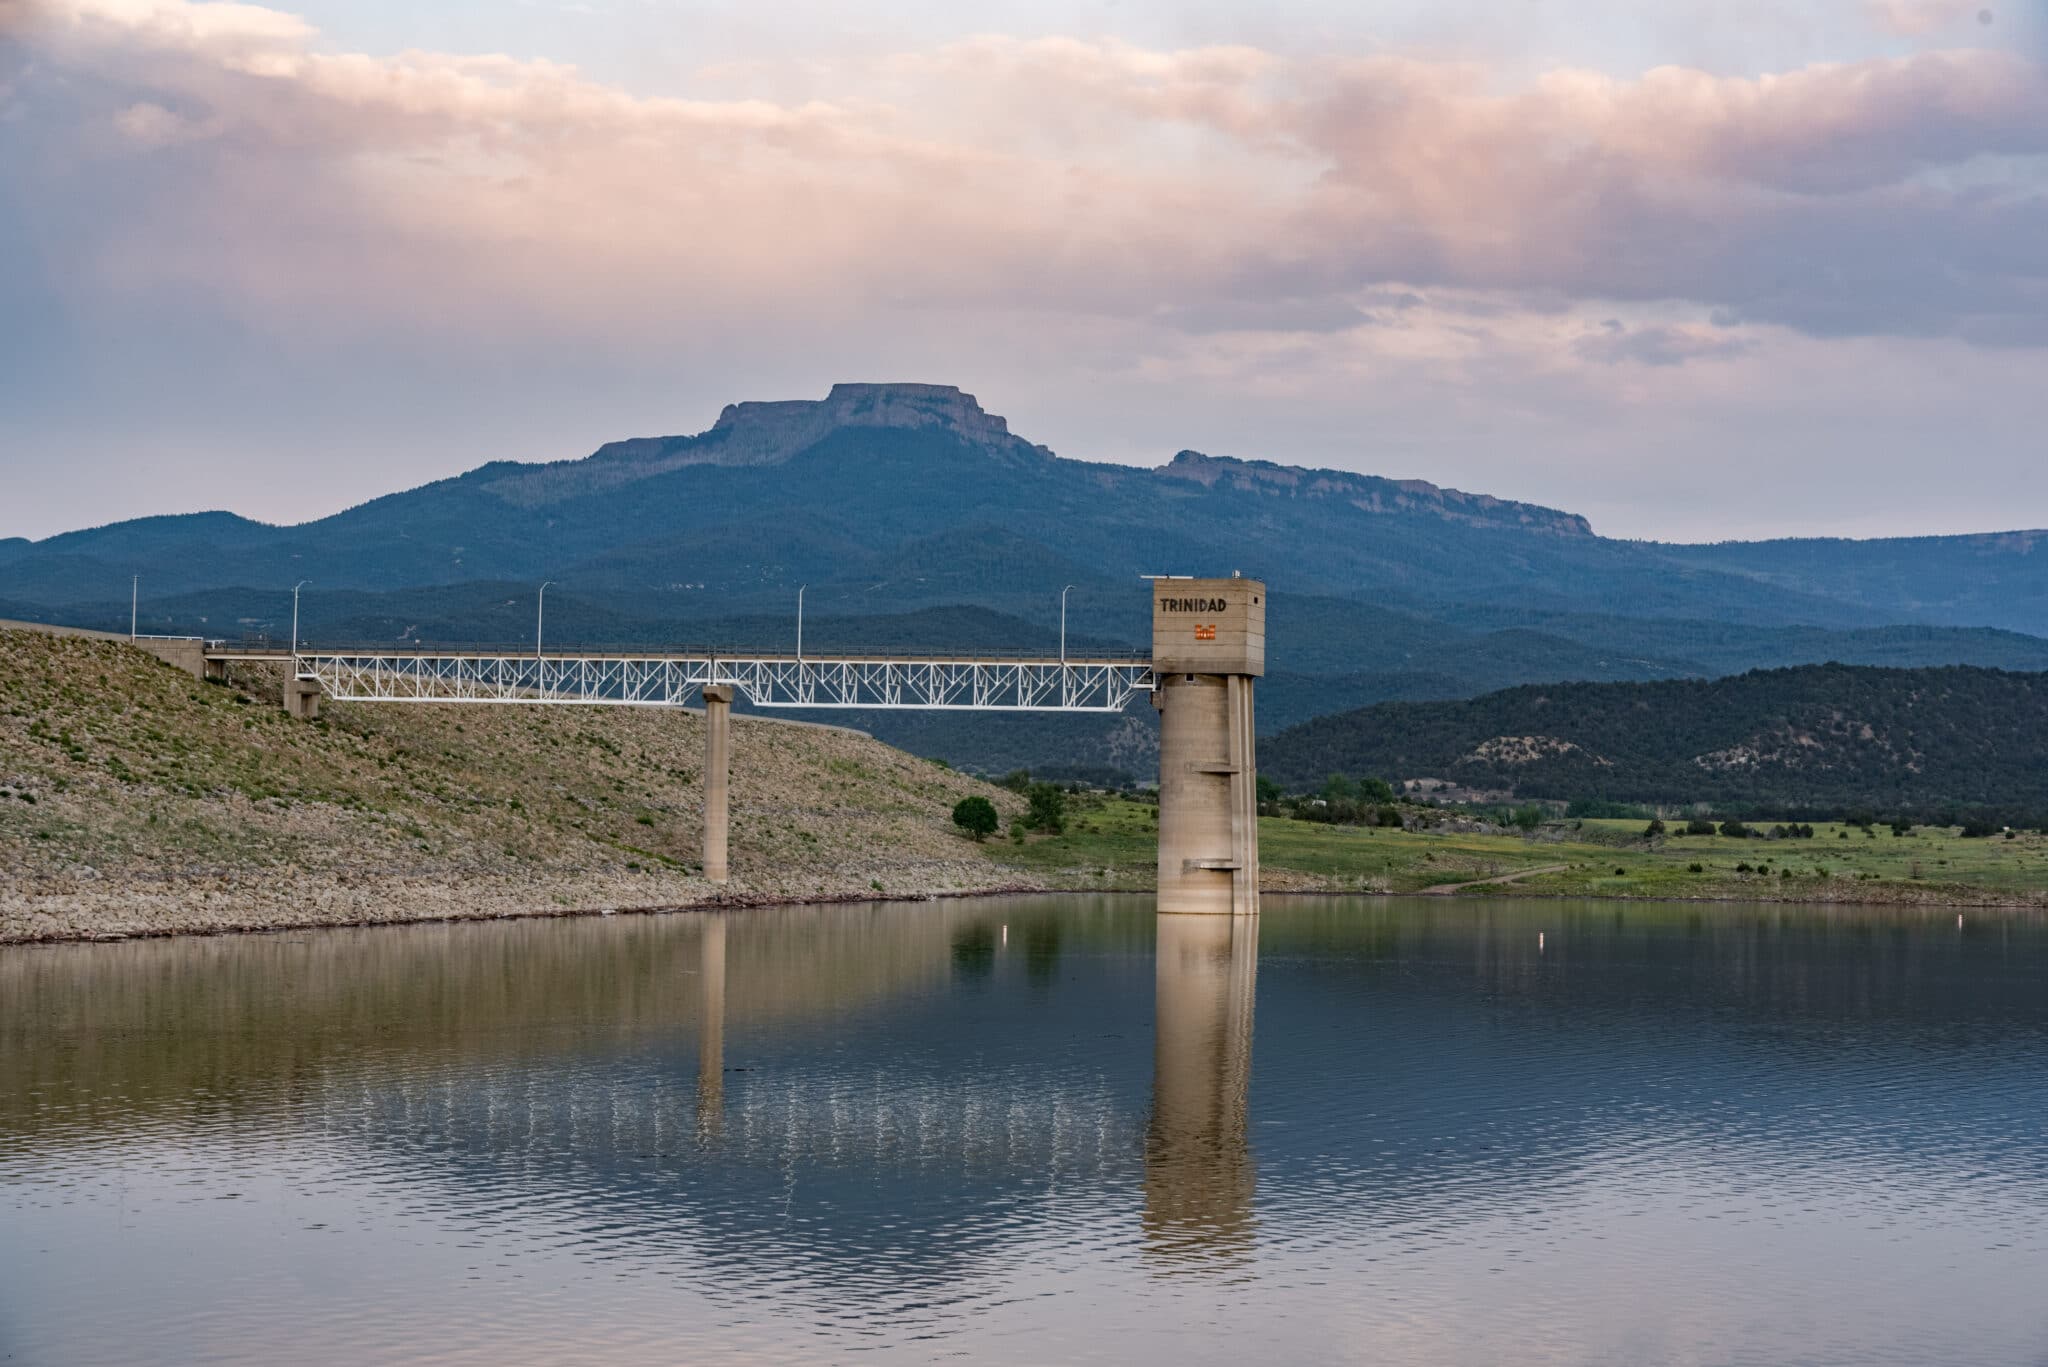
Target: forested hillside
column 1818, row 738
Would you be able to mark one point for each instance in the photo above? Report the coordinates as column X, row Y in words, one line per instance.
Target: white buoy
column 1539, row 942
column 1006, row 935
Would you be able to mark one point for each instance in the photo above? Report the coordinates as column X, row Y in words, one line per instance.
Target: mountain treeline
column 1931, row 743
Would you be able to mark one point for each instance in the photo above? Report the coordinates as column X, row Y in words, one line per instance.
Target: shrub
column 1375, row 790
column 1389, row 815
column 1734, row 830
column 1656, row 827
column 1699, row 825
column 1017, row 780
column 1696, row 868
column 1048, row 810
column 977, row 816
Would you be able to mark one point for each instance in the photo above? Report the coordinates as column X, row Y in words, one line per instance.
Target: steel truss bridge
column 766, row 681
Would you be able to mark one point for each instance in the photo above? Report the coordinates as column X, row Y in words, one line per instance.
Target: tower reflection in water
column 1198, row 1161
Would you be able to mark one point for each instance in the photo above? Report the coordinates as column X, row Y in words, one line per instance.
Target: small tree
column 1048, row 811
column 976, row 816
column 1656, row 827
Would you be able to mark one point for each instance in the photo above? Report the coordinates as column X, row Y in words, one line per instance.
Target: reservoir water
column 1037, row 1130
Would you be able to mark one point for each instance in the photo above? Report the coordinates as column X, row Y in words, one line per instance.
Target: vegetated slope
column 1823, row 738
column 134, row 798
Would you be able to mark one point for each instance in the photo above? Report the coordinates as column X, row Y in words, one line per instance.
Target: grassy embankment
column 136, row 799
column 1109, row 843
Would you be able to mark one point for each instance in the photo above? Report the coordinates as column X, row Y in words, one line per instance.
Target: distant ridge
column 1368, row 493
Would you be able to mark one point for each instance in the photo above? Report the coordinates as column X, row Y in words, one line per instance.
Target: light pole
column 134, row 598
column 800, row 624
column 1063, row 622
column 539, row 617
column 295, row 622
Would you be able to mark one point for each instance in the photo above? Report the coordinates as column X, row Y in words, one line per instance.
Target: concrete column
column 302, row 698
column 1198, row 842
column 217, row 670
column 717, row 769
column 1199, row 1175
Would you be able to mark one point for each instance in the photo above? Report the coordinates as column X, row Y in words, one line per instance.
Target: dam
column 1208, row 651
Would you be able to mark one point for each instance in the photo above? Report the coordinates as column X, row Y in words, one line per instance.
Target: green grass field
column 1109, row 843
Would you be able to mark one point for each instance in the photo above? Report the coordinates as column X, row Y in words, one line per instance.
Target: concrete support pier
column 717, row 769
column 302, row 698
column 1208, row 645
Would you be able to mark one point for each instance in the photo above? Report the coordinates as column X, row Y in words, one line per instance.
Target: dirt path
column 1446, row 889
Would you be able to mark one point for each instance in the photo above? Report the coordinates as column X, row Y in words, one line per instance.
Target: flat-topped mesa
column 1370, row 493
column 769, row 433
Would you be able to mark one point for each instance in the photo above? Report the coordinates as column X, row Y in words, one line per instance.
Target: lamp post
column 134, row 598
column 540, row 617
column 1063, row 622
column 800, row 624
column 295, row 622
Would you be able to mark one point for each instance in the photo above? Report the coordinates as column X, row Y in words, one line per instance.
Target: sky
column 1698, row 269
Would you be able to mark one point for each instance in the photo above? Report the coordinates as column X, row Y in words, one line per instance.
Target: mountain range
column 919, row 521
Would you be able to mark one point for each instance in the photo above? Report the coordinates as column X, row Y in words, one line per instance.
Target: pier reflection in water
column 1031, row 1130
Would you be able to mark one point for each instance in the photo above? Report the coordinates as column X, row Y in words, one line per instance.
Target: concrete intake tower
column 1208, row 645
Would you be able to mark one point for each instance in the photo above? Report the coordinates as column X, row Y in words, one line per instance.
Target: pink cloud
column 1215, row 188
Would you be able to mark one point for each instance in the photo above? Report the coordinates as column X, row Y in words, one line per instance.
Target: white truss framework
column 768, row 681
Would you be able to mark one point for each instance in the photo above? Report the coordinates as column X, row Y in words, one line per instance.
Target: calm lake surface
column 1037, row 1130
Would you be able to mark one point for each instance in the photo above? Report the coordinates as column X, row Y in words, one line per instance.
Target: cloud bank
column 1215, row 215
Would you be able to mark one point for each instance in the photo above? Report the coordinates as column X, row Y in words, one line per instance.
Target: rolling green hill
column 1824, row 738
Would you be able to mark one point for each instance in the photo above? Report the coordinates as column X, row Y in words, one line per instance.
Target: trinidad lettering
column 1192, row 605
